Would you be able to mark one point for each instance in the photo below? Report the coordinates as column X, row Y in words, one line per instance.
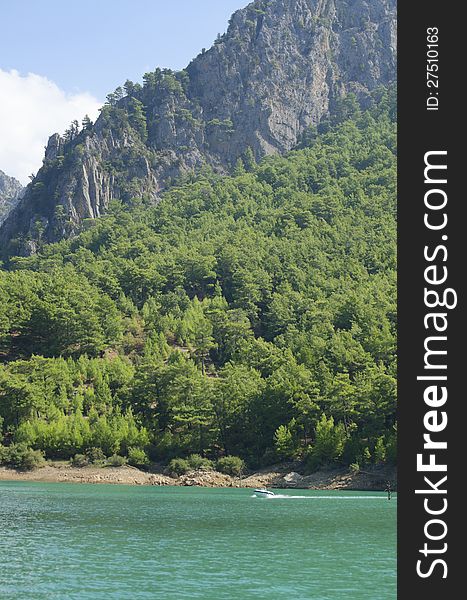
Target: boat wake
column 295, row 497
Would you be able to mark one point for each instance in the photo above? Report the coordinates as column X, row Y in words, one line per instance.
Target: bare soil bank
column 277, row 476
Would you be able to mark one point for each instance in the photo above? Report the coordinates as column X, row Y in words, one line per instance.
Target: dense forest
column 250, row 315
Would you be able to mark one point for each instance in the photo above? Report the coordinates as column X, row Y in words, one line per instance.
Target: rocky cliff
column 10, row 194
column 281, row 66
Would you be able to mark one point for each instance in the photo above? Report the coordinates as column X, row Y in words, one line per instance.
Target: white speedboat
column 264, row 493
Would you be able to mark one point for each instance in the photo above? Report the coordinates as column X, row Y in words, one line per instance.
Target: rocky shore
column 279, row 476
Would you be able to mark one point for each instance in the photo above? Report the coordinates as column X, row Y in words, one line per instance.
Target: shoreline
column 278, row 476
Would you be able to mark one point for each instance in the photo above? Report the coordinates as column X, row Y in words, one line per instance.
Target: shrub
column 366, row 455
column 31, row 459
column 196, row 461
column 116, row 461
column 330, row 439
column 3, row 455
column 329, row 444
column 80, row 460
column 137, row 457
column 284, row 442
column 179, row 466
column 231, row 465
column 95, row 455
column 21, row 457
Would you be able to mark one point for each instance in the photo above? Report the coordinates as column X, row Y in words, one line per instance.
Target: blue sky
column 60, row 58
column 94, row 45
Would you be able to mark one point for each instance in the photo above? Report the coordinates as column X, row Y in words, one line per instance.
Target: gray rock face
column 280, row 67
column 10, row 194
column 283, row 63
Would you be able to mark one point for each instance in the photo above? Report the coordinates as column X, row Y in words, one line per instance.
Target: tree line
column 251, row 315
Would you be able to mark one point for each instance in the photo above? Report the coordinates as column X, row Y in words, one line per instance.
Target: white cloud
column 31, row 109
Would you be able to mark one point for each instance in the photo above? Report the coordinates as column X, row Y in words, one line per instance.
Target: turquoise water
column 77, row 541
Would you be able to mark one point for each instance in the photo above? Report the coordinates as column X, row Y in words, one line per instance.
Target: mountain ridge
column 281, row 66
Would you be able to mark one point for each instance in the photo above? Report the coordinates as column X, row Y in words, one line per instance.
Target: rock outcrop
column 281, row 66
column 10, row 194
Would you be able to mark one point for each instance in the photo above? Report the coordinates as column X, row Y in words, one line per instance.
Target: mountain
column 251, row 315
column 10, row 194
column 282, row 66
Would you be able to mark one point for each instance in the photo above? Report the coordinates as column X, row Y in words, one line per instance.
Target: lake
column 92, row 542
